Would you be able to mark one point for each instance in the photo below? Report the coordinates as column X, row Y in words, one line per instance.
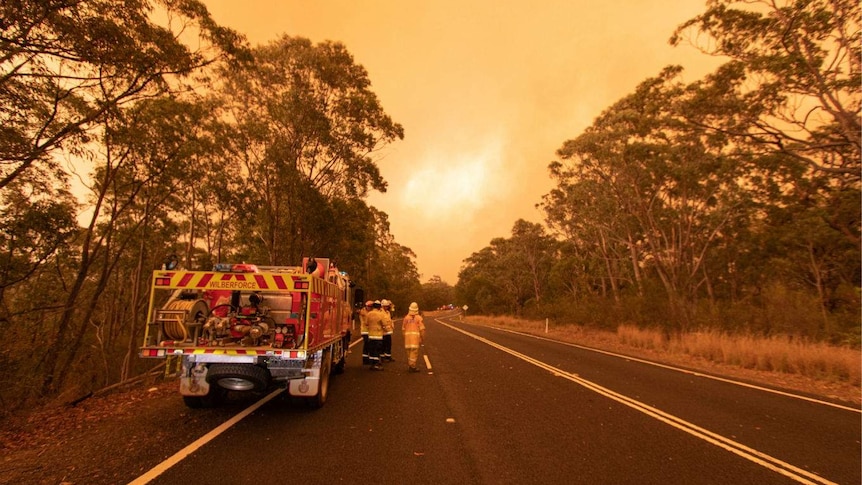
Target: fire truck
column 244, row 328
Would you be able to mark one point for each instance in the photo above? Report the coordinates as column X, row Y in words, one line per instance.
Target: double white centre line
column 762, row 459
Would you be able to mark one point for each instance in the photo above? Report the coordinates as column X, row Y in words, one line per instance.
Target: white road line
column 188, row 450
column 427, row 362
column 762, row 459
column 686, row 371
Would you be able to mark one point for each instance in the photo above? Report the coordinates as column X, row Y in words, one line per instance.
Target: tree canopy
column 730, row 202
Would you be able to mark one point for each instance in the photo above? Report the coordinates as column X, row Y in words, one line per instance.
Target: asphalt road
column 497, row 407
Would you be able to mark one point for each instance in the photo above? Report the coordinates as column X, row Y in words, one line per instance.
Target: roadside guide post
column 464, row 314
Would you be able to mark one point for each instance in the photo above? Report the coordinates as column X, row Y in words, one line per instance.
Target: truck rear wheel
column 341, row 353
column 238, row 377
column 339, row 366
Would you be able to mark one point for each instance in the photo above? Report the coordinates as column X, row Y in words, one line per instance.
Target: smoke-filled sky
column 487, row 91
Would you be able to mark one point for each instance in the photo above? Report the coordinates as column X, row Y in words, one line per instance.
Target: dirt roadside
column 108, row 439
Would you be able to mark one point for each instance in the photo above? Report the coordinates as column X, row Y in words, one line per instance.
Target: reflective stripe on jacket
column 414, row 331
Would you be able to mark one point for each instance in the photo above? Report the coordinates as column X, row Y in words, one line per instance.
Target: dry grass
column 773, row 354
column 777, row 356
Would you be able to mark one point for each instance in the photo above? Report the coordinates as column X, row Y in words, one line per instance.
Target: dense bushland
column 729, row 204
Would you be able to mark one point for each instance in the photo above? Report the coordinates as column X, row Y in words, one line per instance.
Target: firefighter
column 413, row 329
column 375, row 321
column 388, row 329
column 363, row 330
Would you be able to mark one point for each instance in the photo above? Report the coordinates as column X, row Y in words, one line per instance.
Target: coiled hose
column 175, row 326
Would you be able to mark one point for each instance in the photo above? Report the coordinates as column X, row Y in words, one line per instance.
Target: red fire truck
column 249, row 328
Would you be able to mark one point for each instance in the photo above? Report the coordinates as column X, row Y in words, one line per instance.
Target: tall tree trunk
column 635, row 261
column 190, row 246
column 89, row 251
column 132, row 344
column 821, row 292
column 612, row 276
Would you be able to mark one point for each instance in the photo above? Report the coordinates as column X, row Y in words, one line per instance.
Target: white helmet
column 385, row 303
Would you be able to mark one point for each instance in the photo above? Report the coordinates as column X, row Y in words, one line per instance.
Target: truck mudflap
column 307, row 387
column 193, row 380
column 316, row 376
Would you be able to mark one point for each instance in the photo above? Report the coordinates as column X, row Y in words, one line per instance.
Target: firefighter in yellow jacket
column 363, row 330
column 414, row 334
column 375, row 321
column 388, row 329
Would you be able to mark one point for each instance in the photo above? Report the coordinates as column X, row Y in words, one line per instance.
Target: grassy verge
column 782, row 358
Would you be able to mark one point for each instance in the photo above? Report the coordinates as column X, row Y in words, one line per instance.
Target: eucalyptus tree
column 352, row 240
column 309, row 128
column 536, row 251
column 572, row 277
column 395, row 276
column 390, row 272
column 70, row 71
column 36, row 218
column 792, row 79
column 140, row 198
column 677, row 189
column 600, row 234
column 511, row 273
column 479, row 284
column 798, row 70
column 65, row 63
column 215, row 193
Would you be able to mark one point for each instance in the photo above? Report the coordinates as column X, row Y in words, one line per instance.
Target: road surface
column 498, row 407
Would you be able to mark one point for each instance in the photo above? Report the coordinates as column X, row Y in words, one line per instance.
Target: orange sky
column 487, row 91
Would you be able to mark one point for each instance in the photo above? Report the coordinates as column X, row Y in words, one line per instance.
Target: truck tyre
column 319, row 400
column 342, row 359
column 238, row 377
column 339, row 366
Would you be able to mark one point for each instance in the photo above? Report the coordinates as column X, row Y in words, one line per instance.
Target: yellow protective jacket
column 375, row 321
column 413, row 328
column 388, row 325
column 363, row 321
